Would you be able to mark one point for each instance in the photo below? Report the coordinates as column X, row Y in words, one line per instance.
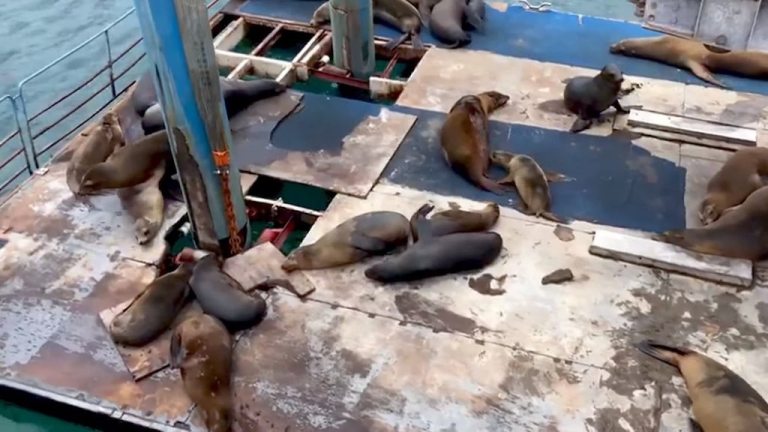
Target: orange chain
column 222, row 163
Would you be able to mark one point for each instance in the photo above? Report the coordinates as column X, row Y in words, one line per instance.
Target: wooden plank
column 691, row 126
column 262, row 66
column 651, row 253
column 681, row 138
column 386, row 87
column 261, row 263
column 231, row 35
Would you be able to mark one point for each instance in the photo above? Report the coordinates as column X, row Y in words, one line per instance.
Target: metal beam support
column 179, row 46
column 352, row 27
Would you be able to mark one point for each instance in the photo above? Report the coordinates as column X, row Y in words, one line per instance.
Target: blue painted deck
column 549, row 37
column 614, row 182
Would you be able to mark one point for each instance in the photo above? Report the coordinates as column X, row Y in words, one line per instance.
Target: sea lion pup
column 445, row 23
column 741, row 231
column 722, row 401
column 530, row 181
column 695, row 56
column 451, row 221
column 464, row 137
column 587, row 97
column 220, row 295
column 401, row 15
column 451, row 253
column 145, row 204
column 365, row 235
column 153, row 310
column 201, row 348
column 129, row 166
column 741, row 175
column 100, row 143
column 475, row 14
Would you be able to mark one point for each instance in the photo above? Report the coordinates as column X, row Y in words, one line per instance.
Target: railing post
column 352, row 32
column 27, row 125
column 109, row 64
column 179, row 45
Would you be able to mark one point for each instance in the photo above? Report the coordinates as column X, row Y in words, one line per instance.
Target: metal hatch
column 734, row 24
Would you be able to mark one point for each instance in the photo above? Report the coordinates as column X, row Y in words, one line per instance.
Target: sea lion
column 153, row 310
column 425, row 9
column 530, row 181
column 220, row 295
column 722, row 401
column 238, row 95
column 589, row 96
column 475, row 14
column 99, row 144
column 201, row 349
column 464, row 137
column 401, row 15
column 451, row 221
column 144, row 95
column 695, row 56
column 129, row 166
column 445, row 23
column 742, row 174
column 365, row 235
column 321, row 15
column 451, row 253
column 145, row 204
column 740, row 232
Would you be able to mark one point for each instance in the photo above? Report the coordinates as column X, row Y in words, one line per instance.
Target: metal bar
column 698, row 20
column 70, row 112
column 18, row 132
column 109, row 64
column 352, row 30
column 350, row 81
column 754, row 23
column 130, row 66
column 255, row 199
column 68, row 94
column 8, row 138
column 9, row 159
column 12, row 179
column 390, row 66
column 132, row 46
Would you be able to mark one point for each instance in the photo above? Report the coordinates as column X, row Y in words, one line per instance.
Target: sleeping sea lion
column 153, row 310
column 365, row 235
column 695, row 56
column 451, row 221
column 743, row 173
column 740, row 232
column 464, row 137
column 220, row 295
column 129, row 166
column 530, row 181
column 201, row 348
column 445, row 23
column 437, row 256
column 145, row 204
column 722, row 401
column 98, row 146
column 587, row 97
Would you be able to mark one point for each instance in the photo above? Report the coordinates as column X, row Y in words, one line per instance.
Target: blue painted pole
column 352, row 31
column 179, row 45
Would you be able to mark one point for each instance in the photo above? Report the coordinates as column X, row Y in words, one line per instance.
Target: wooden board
column 262, row 262
column 690, row 126
column 664, row 256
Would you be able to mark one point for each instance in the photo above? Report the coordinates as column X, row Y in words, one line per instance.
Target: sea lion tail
column 739, row 62
column 666, row 353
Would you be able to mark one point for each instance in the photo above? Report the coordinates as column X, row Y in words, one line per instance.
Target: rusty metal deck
column 434, row 356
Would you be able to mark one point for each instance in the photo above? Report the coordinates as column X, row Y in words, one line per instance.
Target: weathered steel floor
column 437, row 355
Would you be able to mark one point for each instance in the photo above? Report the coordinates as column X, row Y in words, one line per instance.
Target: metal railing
column 39, row 132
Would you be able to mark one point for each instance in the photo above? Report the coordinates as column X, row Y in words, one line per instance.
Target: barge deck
column 443, row 354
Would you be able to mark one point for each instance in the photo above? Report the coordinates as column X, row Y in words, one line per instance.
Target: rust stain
column 416, row 308
column 482, row 284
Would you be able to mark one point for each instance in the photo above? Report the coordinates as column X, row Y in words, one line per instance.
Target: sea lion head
column 612, row 74
column 492, row 100
column 189, row 255
column 297, row 259
column 501, row 157
column 321, row 16
column 145, row 230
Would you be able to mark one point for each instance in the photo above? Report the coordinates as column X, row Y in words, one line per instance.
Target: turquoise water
column 35, row 32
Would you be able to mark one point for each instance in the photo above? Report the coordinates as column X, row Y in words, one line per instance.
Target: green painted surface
column 16, row 419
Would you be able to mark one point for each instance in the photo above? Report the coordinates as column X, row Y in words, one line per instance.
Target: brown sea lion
column 130, row 165
column 743, row 173
column 153, row 310
column 201, row 348
column 464, row 137
column 145, row 204
column 451, row 221
column 722, row 401
column 365, row 235
column 588, row 97
column 220, row 295
column 98, row 146
column 695, row 56
column 530, row 181
column 451, row 253
column 741, row 232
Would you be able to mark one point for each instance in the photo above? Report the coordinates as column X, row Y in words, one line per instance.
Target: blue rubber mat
column 549, row 37
column 613, row 181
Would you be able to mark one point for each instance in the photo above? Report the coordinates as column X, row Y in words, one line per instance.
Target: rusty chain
column 222, row 165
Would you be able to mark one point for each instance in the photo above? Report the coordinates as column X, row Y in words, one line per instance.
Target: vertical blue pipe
column 352, row 28
column 164, row 39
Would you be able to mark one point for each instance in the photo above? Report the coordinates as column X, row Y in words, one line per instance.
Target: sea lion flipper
column 509, row 179
column 580, row 125
column 702, row 72
column 416, row 41
column 396, row 42
column 619, row 108
column 176, row 350
column 665, row 353
column 694, row 425
column 554, row 176
column 548, row 215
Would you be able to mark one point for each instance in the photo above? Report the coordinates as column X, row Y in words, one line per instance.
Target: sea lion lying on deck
column 451, row 221
column 695, row 56
column 145, row 204
column 97, row 147
column 722, row 401
column 588, row 97
column 363, row 236
column 743, row 173
column 740, row 232
column 446, row 23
